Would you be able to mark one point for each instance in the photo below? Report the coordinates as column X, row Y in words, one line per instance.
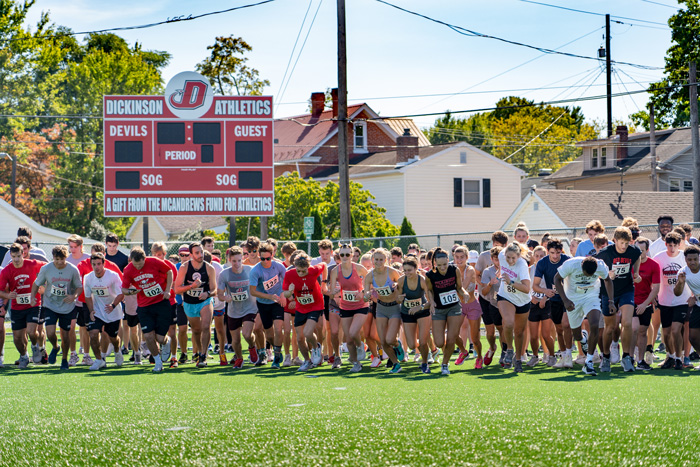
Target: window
column 676, row 184
column 687, row 185
column 536, row 206
column 471, row 193
column 603, row 156
column 594, row 158
column 462, row 157
column 361, row 136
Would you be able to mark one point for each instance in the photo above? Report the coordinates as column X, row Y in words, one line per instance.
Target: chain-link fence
column 478, row 241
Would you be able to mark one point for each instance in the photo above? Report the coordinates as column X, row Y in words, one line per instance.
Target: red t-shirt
column 85, row 268
column 20, row 280
column 151, row 280
column 307, row 290
column 174, row 270
column 651, row 274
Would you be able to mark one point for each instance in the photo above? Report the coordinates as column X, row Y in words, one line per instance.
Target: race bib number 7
column 584, row 288
column 24, row 299
column 449, row 298
column 305, row 299
column 153, row 291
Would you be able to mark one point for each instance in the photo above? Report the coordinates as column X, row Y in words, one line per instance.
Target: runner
column 645, row 293
column 330, row 342
column 196, row 281
column 665, row 225
column 446, row 295
column 673, row 307
column 577, row 282
column 288, row 250
column 208, row 245
column 521, row 234
column 382, row 281
column 302, row 287
column 540, row 313
column 159, row 250
column 485, row 260
column 593, row 228
column 219, row 312
column 34, row 252
column 114, row 255
column 396, row 254
column 471, row 310
column 16, row 281
column 80, row 312
column 233, row 288
column 62, row 285
column 415, row 311
column 183, row 254
column 622, row 259
column 689, row 276
column 349, row 276
column 514, row 301
column 251, row 251
column 103, row 297
column 490, row 283
column 153, row 280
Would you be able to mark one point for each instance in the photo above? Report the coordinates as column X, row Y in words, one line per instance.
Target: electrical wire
column 592, row 13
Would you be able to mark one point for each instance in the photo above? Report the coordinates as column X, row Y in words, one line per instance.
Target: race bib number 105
column 449, row 298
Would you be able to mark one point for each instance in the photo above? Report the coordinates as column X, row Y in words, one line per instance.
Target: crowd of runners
column 346, row 307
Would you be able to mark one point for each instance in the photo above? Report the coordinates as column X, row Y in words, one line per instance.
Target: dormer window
column 360, row 142
column 594, row 158
column 603, row 157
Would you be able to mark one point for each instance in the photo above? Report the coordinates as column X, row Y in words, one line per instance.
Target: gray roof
column 178, row 225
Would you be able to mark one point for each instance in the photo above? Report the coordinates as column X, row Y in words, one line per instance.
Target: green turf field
column 259, row 416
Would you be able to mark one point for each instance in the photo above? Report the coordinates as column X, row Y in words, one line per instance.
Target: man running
column 645, row 293
column 160, row 251
column 689, row 276
column 80, row 313
column 659, row 245
column 114, row 255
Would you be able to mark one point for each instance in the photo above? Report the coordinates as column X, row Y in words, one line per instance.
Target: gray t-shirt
column 236, row 286
column 484, row 261
column 486, row 276
column 58, row 284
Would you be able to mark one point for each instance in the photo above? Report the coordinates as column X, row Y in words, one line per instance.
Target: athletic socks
column 157, row 359
column 606, row 355
column 625, row 354
column 589, row 358
column 650, row 348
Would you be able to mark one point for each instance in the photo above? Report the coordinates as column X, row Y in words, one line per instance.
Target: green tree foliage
column 227, row 70
column 528, row 135
column 670, row 98
column 318, row 225
column 407, row 230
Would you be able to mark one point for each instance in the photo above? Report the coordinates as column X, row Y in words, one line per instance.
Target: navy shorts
column 622, row 300
column 112, row 329
column 63, row 319
column 156, row 317
column 269, row 313
column 301, row 318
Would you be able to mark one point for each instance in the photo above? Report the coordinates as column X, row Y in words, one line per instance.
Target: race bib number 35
column 24, row 299
column 305, row 299
column 153, row 291
column 449, row 298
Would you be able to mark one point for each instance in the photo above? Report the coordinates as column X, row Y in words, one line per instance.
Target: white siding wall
column 541, row 218
column 429, row 193
column 155, row 233
column 388, row 191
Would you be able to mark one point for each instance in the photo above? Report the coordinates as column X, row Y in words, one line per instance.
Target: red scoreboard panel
column 188, row 153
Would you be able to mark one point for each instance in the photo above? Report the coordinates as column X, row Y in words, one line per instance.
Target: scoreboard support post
column 145, row 235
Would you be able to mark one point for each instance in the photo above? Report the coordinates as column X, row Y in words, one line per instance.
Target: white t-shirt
column 517, row 273
column 669, row 276
column 656, row 247
column 692, row 281
column 578, row 285
column 103, row 290
column 218, row 305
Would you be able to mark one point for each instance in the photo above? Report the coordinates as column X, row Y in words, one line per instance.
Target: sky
column 402, row 64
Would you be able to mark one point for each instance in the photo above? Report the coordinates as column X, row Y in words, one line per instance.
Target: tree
column 407, row 231
column 227, row 70
column 670, row 97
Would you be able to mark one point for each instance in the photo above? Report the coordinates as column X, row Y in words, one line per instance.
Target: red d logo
column 188, row 95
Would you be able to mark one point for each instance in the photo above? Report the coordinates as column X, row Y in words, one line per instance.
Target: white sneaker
column 158, row 367
column 2, row 361
column 337, row 362
column 361, row 352
column 316, row 356
column 144, row 350
column 23, row 362
column 98, row 364
column 615, row 353
column 36, row 354
column 649, row 358
column 445, row 370
column 431, row 359
column 118, row 359
column 417, row 357
column 137, row 358
column 297, row 361
column 165, row 349
column 287, row 360
column 73, row 360
column 356, row 367
column 568, row 361
column 559, row 364
column 87, row 360
column 344, row 348
column 376, row 361
column 580, row 360
column 551, row 361
column 533, row 361
column 306, row 365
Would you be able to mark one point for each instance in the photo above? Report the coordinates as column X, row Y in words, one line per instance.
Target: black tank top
column 192, row 274
column 413, row 296
column 444, row 287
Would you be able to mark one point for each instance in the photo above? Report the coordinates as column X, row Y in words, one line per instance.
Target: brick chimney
column 318, row 101
column 623, row 134
column 334, row 96
column 406, row 146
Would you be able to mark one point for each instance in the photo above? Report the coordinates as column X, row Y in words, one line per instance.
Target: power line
column 468, row 32
column 593, row 13
column 662, row 4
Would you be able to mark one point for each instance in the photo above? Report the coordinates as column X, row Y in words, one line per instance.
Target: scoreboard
column 188, row 153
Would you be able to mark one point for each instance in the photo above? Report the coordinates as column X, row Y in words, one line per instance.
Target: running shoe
column 316, row 355
column 580, row 360
column 588, row 369
column 306, row 366
column 183, row 358
column 118, row 359
column 98, row 365
column 615, row 353
column 287, row 360
column 36, row 354
column 604, row 365
column 376, row 361
column 417, row 357
column 330, row 359
column 2, row 361
column 661, row 348
column 678, row 365
column 132, row 358
column 668, row 364
column 158, row 368
column 202, row 361
column 488, row 358
column 253, row 355
column 44, row 357
column 518, row 366
column 137, row 358
column 87, row 360
column 361, row 352
column 551, row 361
column 64, row 364
column 389, row 364
column 425, row 368
column 648, row 358
column 584, row 341
column 165, row 349
column 502, row 359
column 152, row 360
column 356, row 367
column 238, row 364
column 534, row 360
column 216, row 348
column 125, row 351
column 694, row 357
column 223, row 361
column 396, row 368
column 73, row 359
column 686, row 363
column 344, row 348
column 627, row 364
column 568, row 361
column 52, row 356
column 445, row 369
column 462, row 356
column 296, row 361
column 23, row 362
column 643, row 365
column 337, row 362
column 435, row 353
column 399, row 351
column 478, row 365
column 508, row 359
column 431, row 360
column 559, row 364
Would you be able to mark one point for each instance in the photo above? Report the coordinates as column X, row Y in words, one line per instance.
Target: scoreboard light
column 188, row 152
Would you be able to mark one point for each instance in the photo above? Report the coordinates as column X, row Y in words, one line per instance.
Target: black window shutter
column 486, row 192
column 458, row 193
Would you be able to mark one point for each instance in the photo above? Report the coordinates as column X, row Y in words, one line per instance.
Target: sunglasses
column 184, row 255
column 269, row 258
column 344, row 255
column 253, row 251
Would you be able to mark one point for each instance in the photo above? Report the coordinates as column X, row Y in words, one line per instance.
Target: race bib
column 195, row 292
column 153, row 291
column 99, row 291
column 270, row 283
column 621, row 269
column 240, row 296
column 449, row 298
column 305, row 299
column 58, row 291
column 408, row 304
column 538, row 295
column 511, row 289
column 384, row 291
column 23, row 299
column 584, row 288
column 672, row 280
column 350, row 296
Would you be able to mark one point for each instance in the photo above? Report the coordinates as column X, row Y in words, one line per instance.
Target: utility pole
column 693, row 88
column 343, row 163
column 14, row 179
column 608, row 73
column 232, row 231
column 145, row 235
column 652, row 149
column 263, row 227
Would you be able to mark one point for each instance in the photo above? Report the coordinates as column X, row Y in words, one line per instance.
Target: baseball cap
column 473, row 256
column 183, row 248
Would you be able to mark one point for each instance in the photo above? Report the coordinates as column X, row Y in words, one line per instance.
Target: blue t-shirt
column 547, row 270
column 178, row 297
column 586, row 248
column 268, row 280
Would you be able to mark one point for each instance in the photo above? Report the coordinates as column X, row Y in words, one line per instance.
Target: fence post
column 438, row 240
column 381, row 243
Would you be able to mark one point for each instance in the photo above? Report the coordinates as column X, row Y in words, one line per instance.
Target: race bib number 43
column 153, row 291
column 449, row 298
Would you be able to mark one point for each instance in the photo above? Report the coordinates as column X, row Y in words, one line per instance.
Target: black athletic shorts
column 673, row 314
column 82, row 315
column 301, row 318
column 155, row 317
column 269, row 313
column 112, row 329
column 235, row 323
column 63, row 319
column 485, row 312
column 538, row 314
column 181, row 316
column 645, row 318
column 20, row 318
column 173, row 313
column 351, row 313
column 406, row 318
column 373, row 309
column 131, row 320
column 327, row 307
column 557, row 310
column 519, row 310
column 695, row 318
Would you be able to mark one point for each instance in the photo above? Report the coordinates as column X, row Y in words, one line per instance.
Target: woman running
column 490, row 283
column 470, row 310
column 415, row 310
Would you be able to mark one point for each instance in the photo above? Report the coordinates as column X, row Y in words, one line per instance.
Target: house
column 454, row 187
column 162, row 229
column 308, row 143
column 622, row 158
column 571, row 210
